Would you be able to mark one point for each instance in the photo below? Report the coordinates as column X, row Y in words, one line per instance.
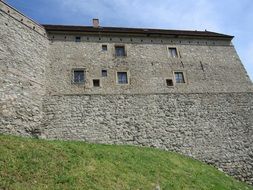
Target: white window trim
column 184, row 75
column 128, row 77
column 168, row 53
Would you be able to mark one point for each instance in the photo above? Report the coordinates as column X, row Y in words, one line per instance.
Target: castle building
column 185, row 91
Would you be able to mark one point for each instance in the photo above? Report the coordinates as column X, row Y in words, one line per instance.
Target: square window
column 78, row 39
column 104, row 73
column 179, row 76
column 173, row 52
column 104, row 47
column 78, row 76
column 122, row 78
column 120, row 51
column 169, row 82
column 96, row 83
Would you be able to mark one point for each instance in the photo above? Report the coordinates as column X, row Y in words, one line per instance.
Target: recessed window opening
column 122, row 78
column 169, row 82
column 78, row 76
column 96, row 82
column 78, row 39
column 120, row 51
column 173, row 52
column 104, row 73
column 179, row 76
column 104, row 47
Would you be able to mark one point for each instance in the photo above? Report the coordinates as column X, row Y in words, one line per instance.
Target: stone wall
column 208, row 65
column 216, row 128
column 38, row 98
column 23, row 58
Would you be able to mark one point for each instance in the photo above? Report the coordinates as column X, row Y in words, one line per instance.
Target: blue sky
column 232, row 17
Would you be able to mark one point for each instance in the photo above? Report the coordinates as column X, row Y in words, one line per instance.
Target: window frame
column 127, row 77
column 169, row 54
column 73, row 76
column 99, row 82
column 173, row 83
column 118, row 46
column 184, row 77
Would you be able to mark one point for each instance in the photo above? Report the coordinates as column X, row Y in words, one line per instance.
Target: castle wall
column 212, row 127
column 208, row 65
column 209, row 117
column 23, row 56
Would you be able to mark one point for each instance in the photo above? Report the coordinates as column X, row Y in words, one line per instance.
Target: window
column 78, row 76
column 104, row 73
column 169, row 82
column 78, row 39
column 122, row 78
column 173, row 52
column 104, row 47
column 120, row 51
column 179, row 76
column 96, row 83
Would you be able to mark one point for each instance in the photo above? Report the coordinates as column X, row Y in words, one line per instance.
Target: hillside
column 38, row 164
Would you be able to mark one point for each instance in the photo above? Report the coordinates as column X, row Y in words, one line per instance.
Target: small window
column 173, row 52
column 78, row 76
column 179, row 76
column 169, row 82
column 104, row 73
column 78, row 39
column 96, row 83
column 122, row 78
column 120, row 51
column 104, row 47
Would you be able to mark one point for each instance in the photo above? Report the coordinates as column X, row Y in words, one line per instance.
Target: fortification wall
column 208, row 65
column 23, row 58
column 38, row 98
column 215, row 128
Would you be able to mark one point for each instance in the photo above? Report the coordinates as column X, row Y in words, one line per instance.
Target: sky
column 233, row 17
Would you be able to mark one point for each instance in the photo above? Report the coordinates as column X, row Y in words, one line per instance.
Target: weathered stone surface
column 148, row 65
column 216, row 128
column 23, row 59
column 208, row 118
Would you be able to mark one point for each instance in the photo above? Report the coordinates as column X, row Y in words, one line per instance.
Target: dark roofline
column 136, row 31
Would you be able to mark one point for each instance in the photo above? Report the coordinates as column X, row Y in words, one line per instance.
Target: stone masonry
column 207, row 116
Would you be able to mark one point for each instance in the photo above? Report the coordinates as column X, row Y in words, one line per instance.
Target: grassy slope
column 37, row 164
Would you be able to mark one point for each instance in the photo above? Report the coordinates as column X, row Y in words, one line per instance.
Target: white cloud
column 198, row 14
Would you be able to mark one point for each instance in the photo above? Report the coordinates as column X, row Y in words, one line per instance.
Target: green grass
column 38, row 164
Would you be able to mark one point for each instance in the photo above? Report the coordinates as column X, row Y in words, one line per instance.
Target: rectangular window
column 122, row 78
column 179, row 76
column 78, row 76
column 104, row 47
column 78, row 39
column 173, row 52
column 169, row 82
column 104, row 73
column 96, row 83
column 120, row 51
